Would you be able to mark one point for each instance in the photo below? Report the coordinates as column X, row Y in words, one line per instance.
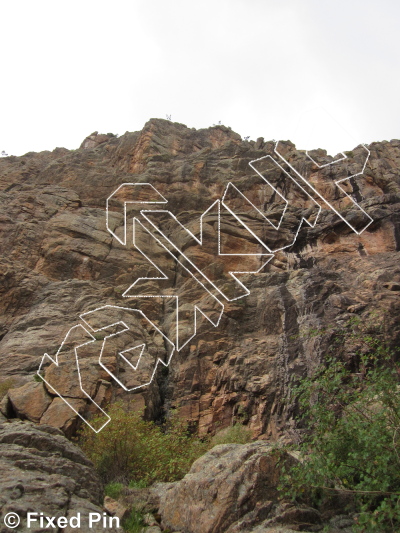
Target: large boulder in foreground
column 41, row 471
column 228, row 489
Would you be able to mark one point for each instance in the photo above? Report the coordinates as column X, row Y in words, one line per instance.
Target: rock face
column 58, row 261
column 41, row 471
column 234, row 488
column 229, row 488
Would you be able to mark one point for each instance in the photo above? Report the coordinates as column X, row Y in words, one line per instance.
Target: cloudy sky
column 320, row 73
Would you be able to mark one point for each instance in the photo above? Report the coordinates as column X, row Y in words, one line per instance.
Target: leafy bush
column 137, row 484
column 352, row 446
column 132, row 449
column 137, row 452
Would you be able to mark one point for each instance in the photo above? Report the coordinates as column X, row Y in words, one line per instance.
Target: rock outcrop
column 58, row 261
column 42, row 472
column 229, row 488
column 234, row 488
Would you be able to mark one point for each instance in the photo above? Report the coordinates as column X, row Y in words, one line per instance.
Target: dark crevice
column 396, row 224
column 361, row 250
column 356, row 194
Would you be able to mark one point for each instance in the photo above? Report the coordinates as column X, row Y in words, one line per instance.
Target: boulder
column 41, row 471
column 30, row 401
column 60, row 415
column 115, row 508
column 221, row 487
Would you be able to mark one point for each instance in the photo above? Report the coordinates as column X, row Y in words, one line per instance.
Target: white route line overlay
column 162, row 200
column 337, row 183
column 126, row 328
column 327, row 164
column 56, row 362
column 284, row 211
column 200, row 242
column 165, row 277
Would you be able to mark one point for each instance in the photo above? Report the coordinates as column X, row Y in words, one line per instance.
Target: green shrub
column 138, row 484
column 137, row 452
column 113, row 490
column 134, row 523
column 132, row 449
column 352, row 445
column 236, row 434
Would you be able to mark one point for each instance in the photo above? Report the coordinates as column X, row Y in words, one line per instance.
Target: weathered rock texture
column 231, row 488
column 41, row 471
column 58, row 260
column 234, row 488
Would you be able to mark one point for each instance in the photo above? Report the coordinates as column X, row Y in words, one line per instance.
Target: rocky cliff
column 314, row 247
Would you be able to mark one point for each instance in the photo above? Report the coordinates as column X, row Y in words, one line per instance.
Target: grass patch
column 138, row 484
column 236, row 434
column 5, row 386
column 134, row 523
column 113, row 490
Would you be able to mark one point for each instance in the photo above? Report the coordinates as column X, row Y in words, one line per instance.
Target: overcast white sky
column 267, row 68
